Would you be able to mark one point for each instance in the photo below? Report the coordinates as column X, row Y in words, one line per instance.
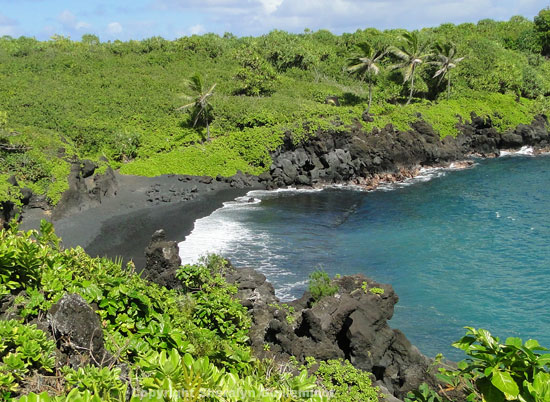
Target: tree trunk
column 412, row 87
column 207, row 130
column 448, row 85
column 370, row 96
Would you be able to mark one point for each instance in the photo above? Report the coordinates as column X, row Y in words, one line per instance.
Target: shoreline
column 121, row 226
column 119, row 221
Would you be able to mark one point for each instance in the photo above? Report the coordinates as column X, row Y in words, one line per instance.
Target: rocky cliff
column 362, row 158
column 352, row 325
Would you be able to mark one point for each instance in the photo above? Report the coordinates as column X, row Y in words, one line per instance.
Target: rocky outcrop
column 357, row 157
column 8, row 211
column 77, row 330
column 352, row 325
column 86, row 188
column 162, row 261
column 187, row 188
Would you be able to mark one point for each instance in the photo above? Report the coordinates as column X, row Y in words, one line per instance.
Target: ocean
column 460, row 247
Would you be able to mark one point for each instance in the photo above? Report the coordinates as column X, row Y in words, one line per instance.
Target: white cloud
column 70, row 22
column 114, row 28
column 260, row 16
column 8, row 26
column 197, row 29
column 271, row 6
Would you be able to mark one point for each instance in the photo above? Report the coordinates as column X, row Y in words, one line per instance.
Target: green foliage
column 169, row 371
column 138, row 316
column 24, row 350
column 411, row 53
column 103, row 382
column 200, row 109
column 74, row 396
column 256, row 76
column 214, row 305
column 33, row 158
column 119, row 99
column 21, row 260
column 503, row 110
column 496, row 371
column 8, row 193
column 320, row 285
column 423, row 394
column 542, row 28
column 376, row 291
column 344, row 382
column 184, row 378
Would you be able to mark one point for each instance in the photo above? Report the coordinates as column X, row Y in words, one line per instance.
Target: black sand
column 122, row 226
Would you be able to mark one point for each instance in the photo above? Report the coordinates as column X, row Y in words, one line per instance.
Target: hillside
column 63, row 99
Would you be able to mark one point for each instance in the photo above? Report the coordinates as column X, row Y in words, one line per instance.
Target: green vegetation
column 347, row 383
column 191, row 345
column 494, row 371
column 320, row 285
column 186, row 345
column 376, row 291
column 24, row 351
column 411, row 54
column 200, row 108
column 365, row 65
column 61, row 99
column 446, row 61
column 423, row 394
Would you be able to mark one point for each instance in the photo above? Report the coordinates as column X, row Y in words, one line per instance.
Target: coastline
column 121, row 226
column 129, row 209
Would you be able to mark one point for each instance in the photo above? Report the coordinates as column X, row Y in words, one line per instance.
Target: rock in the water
column 77, row 329
column 162, row 261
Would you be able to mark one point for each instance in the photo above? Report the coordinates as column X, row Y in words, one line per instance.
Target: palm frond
column 366, row 48
column 195, row 83
column 186, row 106
column 407, row 74
column 399, row 53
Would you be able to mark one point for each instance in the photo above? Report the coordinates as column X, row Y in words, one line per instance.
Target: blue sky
column 138, row 19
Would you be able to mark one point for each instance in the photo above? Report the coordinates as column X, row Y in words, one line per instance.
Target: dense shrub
column 320, row 285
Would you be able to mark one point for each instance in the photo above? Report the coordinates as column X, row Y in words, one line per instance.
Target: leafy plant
column 320, row 285
column 376, row 291
column 102, row 382
column 496, row 372
column 423, row 394
column 366, row 65
column 255, row 76
column 412, row 54
column 345, row 382
column 446, row 62
column 24, row 350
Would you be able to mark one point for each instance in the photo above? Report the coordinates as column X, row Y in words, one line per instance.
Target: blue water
column 468, row 247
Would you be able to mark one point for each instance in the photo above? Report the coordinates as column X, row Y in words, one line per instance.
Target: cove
column 461, row 248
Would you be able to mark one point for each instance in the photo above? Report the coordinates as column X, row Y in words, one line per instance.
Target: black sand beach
column 121, row 226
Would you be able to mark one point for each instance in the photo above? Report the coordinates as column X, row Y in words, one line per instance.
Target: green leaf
column 504, row 382
column 543, row 360
column 533, row 344
column 517, row 342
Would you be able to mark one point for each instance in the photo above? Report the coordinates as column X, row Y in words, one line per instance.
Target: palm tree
column 412, row 55
column 365, row 65
column 201, row 109
column 447, row 60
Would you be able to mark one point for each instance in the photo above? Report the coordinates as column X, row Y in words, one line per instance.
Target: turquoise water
column 468, row 247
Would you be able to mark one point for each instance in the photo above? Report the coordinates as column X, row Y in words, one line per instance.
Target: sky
column 139, row 19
